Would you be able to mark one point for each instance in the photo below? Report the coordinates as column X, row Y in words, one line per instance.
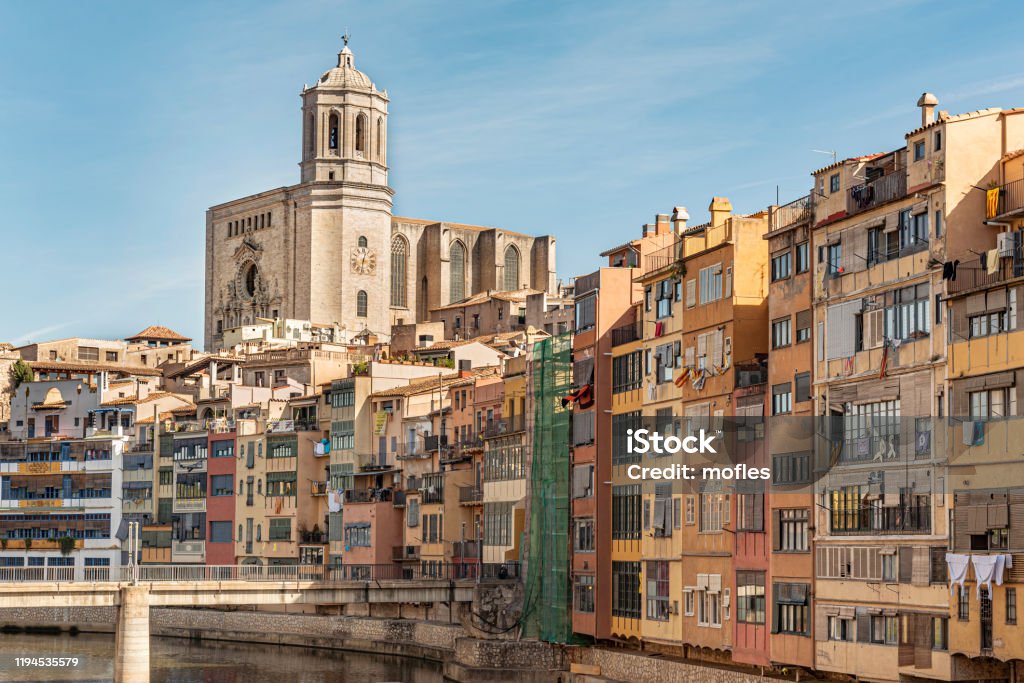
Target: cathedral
column 329, row 250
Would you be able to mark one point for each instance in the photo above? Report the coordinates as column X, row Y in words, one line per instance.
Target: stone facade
column 329, row 250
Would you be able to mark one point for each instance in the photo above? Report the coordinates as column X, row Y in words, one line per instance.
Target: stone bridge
column 133, row 590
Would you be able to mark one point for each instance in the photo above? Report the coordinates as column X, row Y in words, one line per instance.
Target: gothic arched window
column 511, row 268
column 362, row 241
column 334, row 132
column 380, row 139
column 361, row 304
column 310, row 135
column 361, row 134
column 399, row 263
column 457, row 275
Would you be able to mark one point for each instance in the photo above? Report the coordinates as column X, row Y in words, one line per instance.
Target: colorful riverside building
column 603, row 302
column 890, row 233
column 789, row 506
column 985, row 375
column 59, row 506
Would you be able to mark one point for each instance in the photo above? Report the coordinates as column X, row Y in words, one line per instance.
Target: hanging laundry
column 681, row 378
column 957, row 565
column 984, row 260
column 584, row 397
column 984, row 572
column 949, row 269
column 659, row 329
column 992, row 256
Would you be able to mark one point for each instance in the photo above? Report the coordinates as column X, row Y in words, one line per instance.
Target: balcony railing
column 624, row 334
column 468, row 495
column 1011, row 198
column 367, row 496
column 318, row 488
column 405, row 553
column 313, row 537
column 970, row 278
column 877, row 192
column 877, row 520
column 508, row 425
column 665, row 256
column 797, row 211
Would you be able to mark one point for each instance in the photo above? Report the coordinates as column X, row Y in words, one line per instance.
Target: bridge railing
column 180, row 573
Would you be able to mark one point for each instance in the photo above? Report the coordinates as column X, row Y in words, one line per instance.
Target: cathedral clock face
column 364, row 261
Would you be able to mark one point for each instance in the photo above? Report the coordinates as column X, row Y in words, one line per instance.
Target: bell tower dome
column 344, row 126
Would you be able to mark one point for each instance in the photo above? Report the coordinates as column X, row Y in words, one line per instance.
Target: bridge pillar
column 131, row 655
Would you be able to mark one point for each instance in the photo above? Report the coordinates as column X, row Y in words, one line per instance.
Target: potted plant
column 28, row 544
column 67, row 544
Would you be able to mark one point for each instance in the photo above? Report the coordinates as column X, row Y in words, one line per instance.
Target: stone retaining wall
column 632, row 667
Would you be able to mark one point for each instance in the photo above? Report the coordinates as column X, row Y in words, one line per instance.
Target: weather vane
column 345, row 36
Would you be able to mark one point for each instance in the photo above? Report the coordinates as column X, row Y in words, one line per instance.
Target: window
column 357, row 535
column 709, row 608
column 583, row 535
column 803, row 326
column 750, row 505
column 360, row 135
column 280, row 529
column 937, row 141
column 913, row 229
column 713, row 511
column 626, row 503
column 664, row 294
column 111, row 356
column 333, row 133
column 938, row 223
column 1011, row 606
column 781, row 333
column 834, row 258
column 457, row 272
column 802, row 386
column 993, row 404
column 281, row 484
column 498, row 524
column 919, row 150
column 791, row 468
column 750, row 604
column 586, row 312
column 222, row 485
column 840, row 628
column 833, row 183
column 691, row 510
column 512, row 281
column 803, row 257
column 791, row 613
column 620, row 442
column 220, row 532
column 583, row 593
column 380, row 138
column 988, row 324
column 361, row 304
column 940, row 633
column 399, row 270
column 88, row 353
column 781, row 266
column 583, row 481
column 782, row 399
column 626, row 589
column 657, row 591
column 627, row 372
column 223, row 449
column 884, row 630
column 791, row 530
column 711, row 283
column 890, row 567
column 688, row 602
column 963, row 604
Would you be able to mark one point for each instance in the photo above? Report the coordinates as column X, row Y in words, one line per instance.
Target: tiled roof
column 515, row 296
column 130, row 400
column 837, row 164
column 428, row 384
column 159, row 332
column 959, row 117
column 59, row 366
column 1013, row 155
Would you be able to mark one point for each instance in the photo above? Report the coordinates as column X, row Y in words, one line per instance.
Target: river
column 176, row 660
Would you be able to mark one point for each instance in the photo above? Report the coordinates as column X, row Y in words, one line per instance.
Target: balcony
column 1011, row 200
column 405, row 553
column 318, row 488
column 291, row 426
column 788, row 215
column 509, row 425
column 627, row 333
column 970, row 278
column 465, row 550
column 471, row 495
column 882, row 521
column 313, row 537
column 367, row 496
column 663, row 258
column 880, row 191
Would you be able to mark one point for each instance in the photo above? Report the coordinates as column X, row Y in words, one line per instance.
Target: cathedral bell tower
column 344, row 126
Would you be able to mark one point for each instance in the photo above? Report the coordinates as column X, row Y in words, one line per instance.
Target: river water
column 175, row 660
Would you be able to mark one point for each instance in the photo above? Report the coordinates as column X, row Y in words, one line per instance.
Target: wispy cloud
column 41, row 333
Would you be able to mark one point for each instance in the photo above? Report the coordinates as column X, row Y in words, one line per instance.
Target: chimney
column 927, row 102
column 721, row 209
column 679, row 217
column 661, row 224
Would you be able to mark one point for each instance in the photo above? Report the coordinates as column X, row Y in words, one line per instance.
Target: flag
column 992, row 202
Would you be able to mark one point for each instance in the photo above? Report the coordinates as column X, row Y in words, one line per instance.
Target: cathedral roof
column 345, row 75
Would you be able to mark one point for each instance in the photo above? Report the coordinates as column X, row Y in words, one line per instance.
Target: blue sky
column 120, row 122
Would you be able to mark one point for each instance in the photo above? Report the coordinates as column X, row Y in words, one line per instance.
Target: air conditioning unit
column 1004, row 244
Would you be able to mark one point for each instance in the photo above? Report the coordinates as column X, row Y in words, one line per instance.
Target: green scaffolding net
column 547, row 597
